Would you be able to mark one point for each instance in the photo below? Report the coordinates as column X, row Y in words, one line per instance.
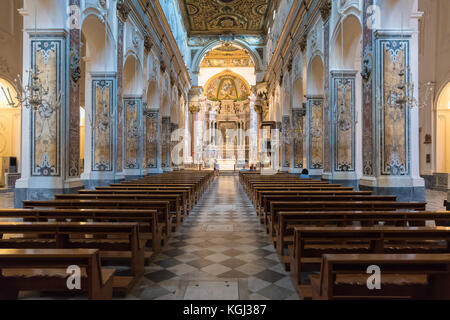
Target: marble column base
column 402, row 193
column 22, row 194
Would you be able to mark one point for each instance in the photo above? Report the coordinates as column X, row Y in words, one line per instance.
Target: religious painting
column 227, row 87
column 217, row 16
column 227, row 57
column 48, row 56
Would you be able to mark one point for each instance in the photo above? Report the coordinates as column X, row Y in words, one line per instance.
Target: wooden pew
column 150, row 189
column 305, row 188
column 184, row 194
column 275, row 207
column 260, row 194
column 162, row 207
column 173, row 199
column 149, row 227
column 116, row 242
column 403, row 276
column 284, row 234
column 34, row 270
column 310, row 243
column 267, row 200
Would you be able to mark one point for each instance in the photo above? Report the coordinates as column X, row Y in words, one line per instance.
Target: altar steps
column 228, row 173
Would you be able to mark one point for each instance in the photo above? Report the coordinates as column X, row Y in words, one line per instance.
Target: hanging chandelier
column 34, row 95
column 401, row 93
column 343, row 123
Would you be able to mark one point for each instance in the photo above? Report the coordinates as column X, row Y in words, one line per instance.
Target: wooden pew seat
column 43, row 270
column 403, row 276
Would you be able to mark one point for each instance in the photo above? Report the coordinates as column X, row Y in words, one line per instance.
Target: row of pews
column 333, row 239
column 124, row 225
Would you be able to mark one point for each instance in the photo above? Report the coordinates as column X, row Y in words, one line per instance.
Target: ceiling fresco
column 210, row 17
column 227, row 56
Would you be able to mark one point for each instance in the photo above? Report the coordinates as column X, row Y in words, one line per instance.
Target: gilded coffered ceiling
column 213, row 17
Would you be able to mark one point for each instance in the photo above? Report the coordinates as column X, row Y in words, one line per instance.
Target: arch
column 98, row 46
column 152, row 99
column 396, row 14
column 286, row 95
column 442, row 131
column 315, row 76
column 212, row 45
column 10, row 124
column 132, row 75
column 345, row 53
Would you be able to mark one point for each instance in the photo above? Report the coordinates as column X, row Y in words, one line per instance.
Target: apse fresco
column 151, row 138
column 103, row 128
column 395, row 135
column 133, row 132
column 46, row 121
column 227, row 87
column 316, row 133
column 344, row 124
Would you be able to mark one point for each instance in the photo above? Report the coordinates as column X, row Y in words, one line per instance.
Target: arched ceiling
column 216, row 17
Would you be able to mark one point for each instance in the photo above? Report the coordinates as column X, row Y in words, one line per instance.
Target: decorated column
column 46, row 125
column 343, row 125
column 253, row 132
column 133, row 143
column 151, row 141
column 122, row 13
column 325, row 11
column 165, row 144
column 315, row 133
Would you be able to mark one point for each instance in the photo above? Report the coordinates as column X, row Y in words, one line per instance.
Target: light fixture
column 33, row 95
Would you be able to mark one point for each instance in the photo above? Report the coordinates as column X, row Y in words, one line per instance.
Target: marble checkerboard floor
column 220, row 252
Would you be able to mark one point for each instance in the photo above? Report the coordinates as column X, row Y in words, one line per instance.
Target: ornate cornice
column 123, row 10
column 148, row 44
column 303, row 43
column 325, row 10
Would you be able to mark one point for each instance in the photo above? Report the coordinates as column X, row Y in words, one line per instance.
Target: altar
column 226, row 164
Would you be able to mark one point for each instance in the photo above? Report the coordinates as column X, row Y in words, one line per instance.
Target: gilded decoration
column 395, row 137
column 133, row 132
column 227, row 87
column 46, row 120
column 227, row 57
column 219, row 16
column 103, row 129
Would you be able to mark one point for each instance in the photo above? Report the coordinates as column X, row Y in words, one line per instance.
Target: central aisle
column 220, row 252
